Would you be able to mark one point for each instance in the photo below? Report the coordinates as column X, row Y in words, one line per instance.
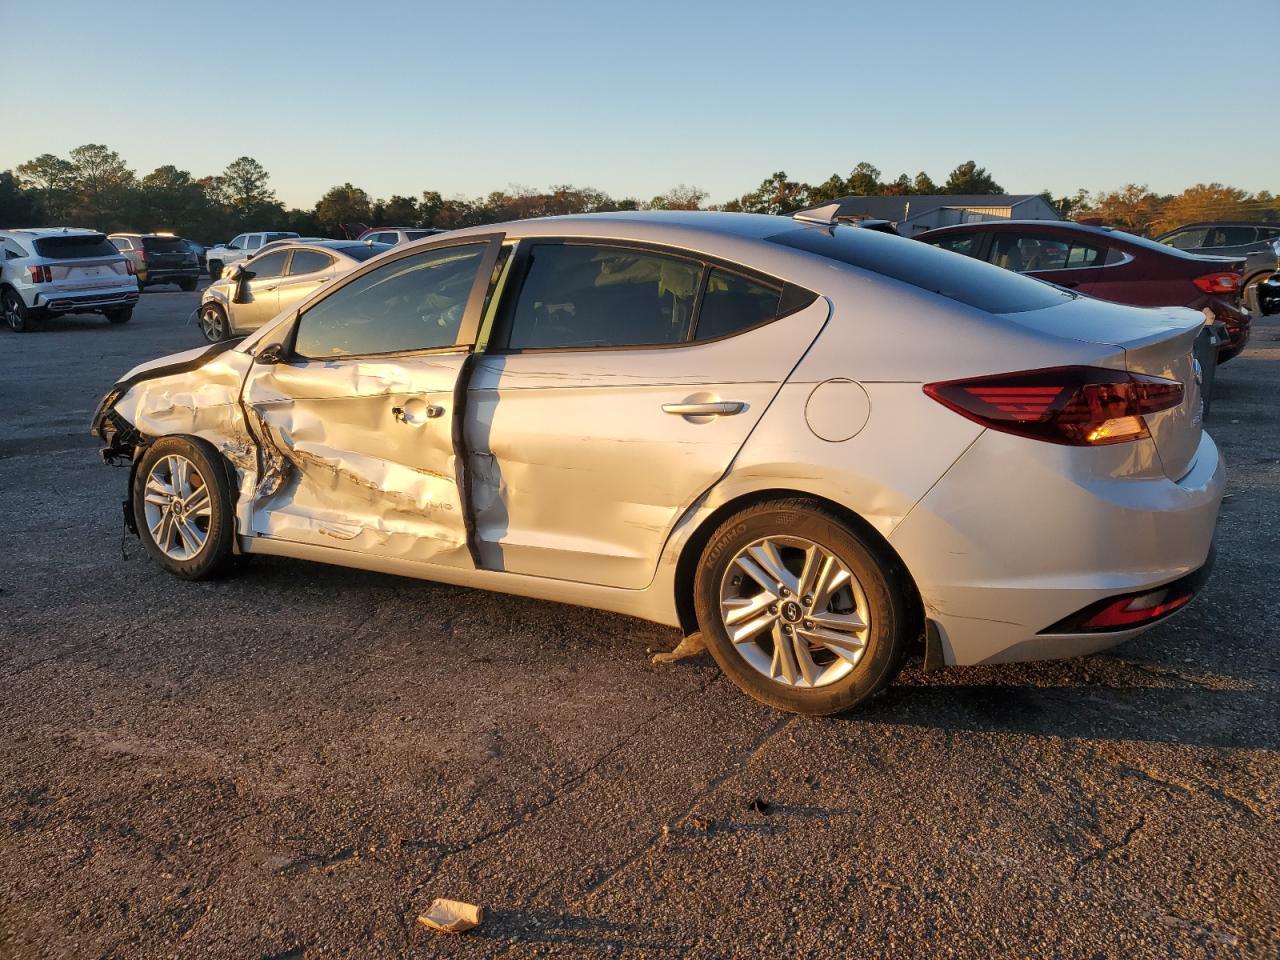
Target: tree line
column 94, row 186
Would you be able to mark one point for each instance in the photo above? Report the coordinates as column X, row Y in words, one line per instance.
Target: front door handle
column 717, row 408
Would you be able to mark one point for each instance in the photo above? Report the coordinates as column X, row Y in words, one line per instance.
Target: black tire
column 118, row 315
column 215, row 554
column 16, row 314
column 215, row 269
column 213, row 322
column 187, row 285
column 891, row 626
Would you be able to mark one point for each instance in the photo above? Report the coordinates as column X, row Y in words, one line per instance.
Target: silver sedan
column 279, row 277
column 820, row 447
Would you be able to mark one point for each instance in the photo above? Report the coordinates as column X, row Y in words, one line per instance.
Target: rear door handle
column 719, row 408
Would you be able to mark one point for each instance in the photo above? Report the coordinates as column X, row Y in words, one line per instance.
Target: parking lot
column 295, row 760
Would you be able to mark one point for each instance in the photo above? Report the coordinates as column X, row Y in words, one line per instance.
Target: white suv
column 57, row 270
column 245, row 245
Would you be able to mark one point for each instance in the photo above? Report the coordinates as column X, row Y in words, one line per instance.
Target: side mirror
column 270, row 355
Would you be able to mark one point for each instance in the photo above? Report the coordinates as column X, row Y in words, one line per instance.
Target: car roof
column 338, row 245
column 56, row 231
column 1223, row 223
column 643, row 225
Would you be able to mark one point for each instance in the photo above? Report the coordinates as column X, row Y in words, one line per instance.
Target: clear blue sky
column 468, row 97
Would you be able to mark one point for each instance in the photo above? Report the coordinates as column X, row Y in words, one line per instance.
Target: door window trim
column 465, row 340
column 500, row 336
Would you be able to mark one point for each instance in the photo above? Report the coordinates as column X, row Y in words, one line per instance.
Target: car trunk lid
column 1155, row 341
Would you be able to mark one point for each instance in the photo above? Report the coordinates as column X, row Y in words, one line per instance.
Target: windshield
column 164, row 245
column 73, row 246
column 925, row 266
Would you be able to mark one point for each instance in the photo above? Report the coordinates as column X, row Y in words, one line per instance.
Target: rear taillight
column 1077, row 406
column 1218, row 282
column 40, row 274
column 128, row 266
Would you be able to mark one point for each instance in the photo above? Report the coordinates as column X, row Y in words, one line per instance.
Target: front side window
column 1230, row 236
column 267, row 265
column 308, row 261
column 580, row 295
column 1187, row 239
column 733, row 302
column 237, row 243
column 414, row 303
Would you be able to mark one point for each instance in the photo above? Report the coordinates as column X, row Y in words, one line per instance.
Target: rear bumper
column 88, row 302
column 169, row 274
column 1014, row 540
column 1237, row 321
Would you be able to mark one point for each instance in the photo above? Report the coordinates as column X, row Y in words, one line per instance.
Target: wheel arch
column 695, row 543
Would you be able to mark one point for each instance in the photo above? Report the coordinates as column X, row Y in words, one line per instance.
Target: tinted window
column 1268, row 233
column 390, row 238
column 415, row 303
column 363, row 251
column 1026, row 252
column 70, row 247
column 732, row 303
column 164, row 245
column 419, row 234
column 308, row 261
column 957, row 243
column 279, row 236
column 587, row 296
column 964, row 279
column 267, row 265
column 1230, row 236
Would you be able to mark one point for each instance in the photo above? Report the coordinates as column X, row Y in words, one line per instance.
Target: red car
column 1110, row 265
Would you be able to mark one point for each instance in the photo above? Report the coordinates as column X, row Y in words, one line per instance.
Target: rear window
column 969, row 281
column 73, row 247
column 363, row 251
column 268, row 237
column 419, row 234
column 164, row 245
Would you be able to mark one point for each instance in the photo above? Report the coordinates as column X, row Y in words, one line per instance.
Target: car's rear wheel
column 215, row 269
column 186, row 285
column 182, row 506
column 15, row 311
column 213, row 323
column 800, row 611
column 119, row 315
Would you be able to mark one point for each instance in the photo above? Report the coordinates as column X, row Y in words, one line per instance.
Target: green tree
column 923, row 185
column 1133, row 207
column 776, row 195
column 863, row 180
column 969, row 178
column 172, row 200
column 396, row 212
column 103, row 187
column 17, row 205
column 52, row 179
column 244, row 188
column 896, row 188
column 343, row 204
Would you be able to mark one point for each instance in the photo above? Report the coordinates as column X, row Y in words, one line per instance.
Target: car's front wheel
column 183, row 508
column 15, row 312
column 800, row 611
column 213, row 323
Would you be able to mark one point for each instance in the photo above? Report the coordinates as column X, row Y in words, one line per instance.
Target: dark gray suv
column 1258, row 243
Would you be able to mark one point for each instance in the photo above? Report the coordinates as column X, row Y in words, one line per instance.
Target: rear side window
column 72, row 247
column 414, row 303
column 1029, row 252
column 1230, row 236
column 579, row 295
column 922, row 265
column 308, row 261
column 122, row 244
column 164, row 245
column 732, row 303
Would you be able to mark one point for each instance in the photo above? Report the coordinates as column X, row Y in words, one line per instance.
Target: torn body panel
column 369, row 449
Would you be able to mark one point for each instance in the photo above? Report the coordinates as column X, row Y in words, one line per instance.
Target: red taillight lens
column 1218, row 282
column 41, row 274
column 1077, row 406
column 128, row 266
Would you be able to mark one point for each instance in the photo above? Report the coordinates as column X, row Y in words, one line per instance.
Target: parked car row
column 817, row 445
column 160, row 258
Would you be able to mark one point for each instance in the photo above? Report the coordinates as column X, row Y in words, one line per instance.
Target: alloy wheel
column 177, row 507
column 12, row 311
column 794, row 611
column 211, row 324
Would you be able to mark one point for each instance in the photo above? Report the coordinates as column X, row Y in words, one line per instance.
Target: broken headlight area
column 122, row 439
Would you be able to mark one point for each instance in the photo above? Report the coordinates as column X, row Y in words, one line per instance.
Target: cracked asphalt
column 294, row 761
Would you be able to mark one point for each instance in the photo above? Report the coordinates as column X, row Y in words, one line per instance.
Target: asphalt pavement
column 295, row 760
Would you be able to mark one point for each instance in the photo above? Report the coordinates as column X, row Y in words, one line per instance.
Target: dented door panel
column 368, row 451
column 578, row 472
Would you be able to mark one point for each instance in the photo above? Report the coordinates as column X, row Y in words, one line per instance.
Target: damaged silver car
column 822, row 447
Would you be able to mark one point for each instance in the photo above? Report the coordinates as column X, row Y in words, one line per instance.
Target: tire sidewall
column 223, row 325
column 218, row 545
column 887, row 642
